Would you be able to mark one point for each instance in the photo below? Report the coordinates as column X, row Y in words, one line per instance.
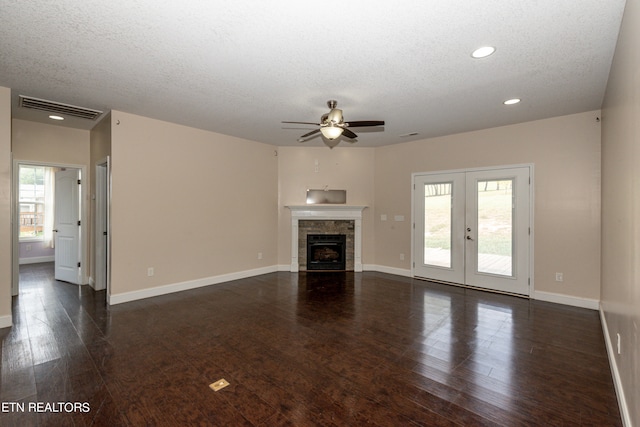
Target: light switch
column 398, row 218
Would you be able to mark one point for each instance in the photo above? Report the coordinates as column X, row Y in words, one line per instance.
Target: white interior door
column 67, row 226
column 473, row 228
column 101, row 240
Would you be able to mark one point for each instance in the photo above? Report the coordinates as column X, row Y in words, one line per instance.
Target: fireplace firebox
column 326, row 251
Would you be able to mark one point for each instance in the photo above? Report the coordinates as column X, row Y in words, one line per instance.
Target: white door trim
column 480, row 169
column 15, row 209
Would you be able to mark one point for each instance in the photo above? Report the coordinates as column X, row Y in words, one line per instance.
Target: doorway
column 473, row 228
column 71, row 250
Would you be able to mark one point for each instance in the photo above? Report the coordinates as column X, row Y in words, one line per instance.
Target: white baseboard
column 389, row 270
column 617, row 380
column 592, row 304
column 119, row 298
column 5, row 321
column 190, row 284
column 538, row 295
column 36, row 259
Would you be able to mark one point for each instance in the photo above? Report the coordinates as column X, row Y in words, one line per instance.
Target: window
column 32, row 200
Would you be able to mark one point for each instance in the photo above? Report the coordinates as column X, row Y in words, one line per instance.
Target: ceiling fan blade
column 362, row 123
column 304, row 123
column 309, row 134
column 349, row 134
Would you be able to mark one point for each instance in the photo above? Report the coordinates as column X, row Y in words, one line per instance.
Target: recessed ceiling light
column 511, row 101
column 52, row 117
column 483, row 52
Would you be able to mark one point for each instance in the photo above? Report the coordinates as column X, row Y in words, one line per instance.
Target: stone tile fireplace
column 326, row 220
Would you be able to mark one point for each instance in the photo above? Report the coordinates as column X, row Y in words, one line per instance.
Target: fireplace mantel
column 326, row 212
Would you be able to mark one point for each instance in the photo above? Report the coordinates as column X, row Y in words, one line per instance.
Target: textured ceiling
column 242, row 67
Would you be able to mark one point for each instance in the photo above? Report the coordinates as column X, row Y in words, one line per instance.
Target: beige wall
column 189, row 203
column 341, row 168
column 5, row 207
column 152, row 159
column 47, row 143
column 621, row 207
column 565, row 152
column 100, row 143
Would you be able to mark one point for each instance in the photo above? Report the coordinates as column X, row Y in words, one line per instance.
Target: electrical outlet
column 401, row 257
column 259, row 255
column 150, row 271
column 28, row 248
column 559, row 277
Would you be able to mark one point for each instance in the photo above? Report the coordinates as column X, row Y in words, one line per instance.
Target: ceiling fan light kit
column 331, row 131
column 332, row 125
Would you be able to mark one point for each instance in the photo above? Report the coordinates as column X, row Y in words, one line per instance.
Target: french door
column 473, row 228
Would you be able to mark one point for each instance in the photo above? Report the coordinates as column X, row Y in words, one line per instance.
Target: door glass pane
column 495, row 227
column 437, row 224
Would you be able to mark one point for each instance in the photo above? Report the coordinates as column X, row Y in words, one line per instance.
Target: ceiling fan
column 332, row 124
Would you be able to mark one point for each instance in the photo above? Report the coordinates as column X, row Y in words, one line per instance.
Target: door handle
column 55, row 231
column 469, row 238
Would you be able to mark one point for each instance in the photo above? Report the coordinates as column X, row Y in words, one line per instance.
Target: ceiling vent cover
column 58, row 108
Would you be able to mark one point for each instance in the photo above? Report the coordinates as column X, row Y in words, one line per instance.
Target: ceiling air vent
column 58, row 108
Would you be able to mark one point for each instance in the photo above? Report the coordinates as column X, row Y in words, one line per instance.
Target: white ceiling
column 242, row 67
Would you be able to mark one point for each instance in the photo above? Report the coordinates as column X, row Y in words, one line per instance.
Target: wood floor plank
column 326, row 349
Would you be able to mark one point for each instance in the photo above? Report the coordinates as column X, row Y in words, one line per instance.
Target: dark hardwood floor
column 301, row 349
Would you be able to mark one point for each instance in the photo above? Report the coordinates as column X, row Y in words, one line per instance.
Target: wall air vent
column 58, row 108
